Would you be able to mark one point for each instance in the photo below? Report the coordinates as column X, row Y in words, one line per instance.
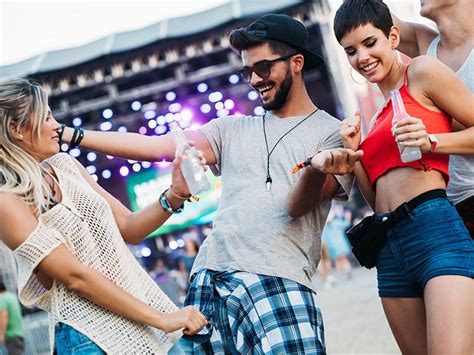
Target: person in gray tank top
column 453, row 46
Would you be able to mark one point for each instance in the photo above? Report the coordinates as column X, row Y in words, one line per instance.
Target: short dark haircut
column 355, row 13
column 240, row 40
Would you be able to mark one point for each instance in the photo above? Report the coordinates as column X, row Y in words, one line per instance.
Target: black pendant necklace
column 268, row 182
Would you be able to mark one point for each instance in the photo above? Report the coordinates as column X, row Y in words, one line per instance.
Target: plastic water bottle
column 191, row 166
column 407, row 154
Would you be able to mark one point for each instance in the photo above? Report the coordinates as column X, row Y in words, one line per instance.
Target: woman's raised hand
column 350, row 132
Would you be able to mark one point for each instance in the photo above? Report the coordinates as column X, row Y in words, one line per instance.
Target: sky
column 31, row 27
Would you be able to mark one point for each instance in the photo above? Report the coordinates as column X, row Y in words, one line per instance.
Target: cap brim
column 311, row 60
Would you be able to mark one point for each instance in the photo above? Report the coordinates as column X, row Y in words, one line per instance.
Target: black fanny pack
column 368, row 237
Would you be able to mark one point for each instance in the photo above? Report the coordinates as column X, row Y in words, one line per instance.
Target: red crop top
column 380, row 148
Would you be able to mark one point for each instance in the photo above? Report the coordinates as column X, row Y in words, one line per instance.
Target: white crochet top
column 83, row 221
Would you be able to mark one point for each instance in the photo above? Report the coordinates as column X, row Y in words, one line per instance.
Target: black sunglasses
column 262, row 68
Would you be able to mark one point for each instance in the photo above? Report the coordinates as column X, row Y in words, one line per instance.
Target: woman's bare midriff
column 400, row 185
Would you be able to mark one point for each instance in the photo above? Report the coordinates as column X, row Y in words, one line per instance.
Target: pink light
column 142, row 130
column 109, row 157
column 187, row 114
column 124, row 171
column 229, row 104
column 163, row 164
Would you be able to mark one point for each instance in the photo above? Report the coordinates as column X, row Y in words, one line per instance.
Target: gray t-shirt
column 461, row 167
column 252, row 229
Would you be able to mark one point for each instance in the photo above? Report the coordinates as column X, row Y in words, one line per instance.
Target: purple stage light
column 252, row 95
column 170, row 96
column 106, row 174
column 161, row 120
column 215, row 96
column 122, row 129
column 124, row 171
column 152, row 124
column 75, row 152
column 234, row 79
column 107, row 113
column 202, row 87
column 136, row 167
column 187, row 114
column 174, row 107
column 105, row 126
column 160, row 130
column 146, row 252
column 205, row 108
column 64, row 147
column 169, row 117
column 148, row 115
column 146, row 164
column 136, row 106
column 95, row 177
column 77, row 121
column 219, row 105
column 163, row 164
column 229, row 104
column 110, row 157
column 91, row 169
column 91, row 156
column 258, row 110
column 222, row 113
column 142, row 130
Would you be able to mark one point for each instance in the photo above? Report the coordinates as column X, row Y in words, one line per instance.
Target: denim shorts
column 69, row 341
column 430, row 241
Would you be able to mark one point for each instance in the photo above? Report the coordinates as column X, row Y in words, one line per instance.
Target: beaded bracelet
column 167, row 206
column 77, row 137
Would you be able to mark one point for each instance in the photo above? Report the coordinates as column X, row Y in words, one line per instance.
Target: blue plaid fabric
column 255, row 314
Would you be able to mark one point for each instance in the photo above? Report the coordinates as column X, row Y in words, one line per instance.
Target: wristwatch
column 434, row 142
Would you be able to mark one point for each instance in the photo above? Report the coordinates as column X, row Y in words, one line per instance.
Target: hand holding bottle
column 407, row 153
column 179, row 184
column 411, row 132
column 191, row 167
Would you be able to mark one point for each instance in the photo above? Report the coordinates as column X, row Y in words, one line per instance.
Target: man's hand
column 351, row 133
column 411, row 132
column 338, row 161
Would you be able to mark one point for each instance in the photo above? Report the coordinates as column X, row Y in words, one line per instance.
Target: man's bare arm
column 415, row 38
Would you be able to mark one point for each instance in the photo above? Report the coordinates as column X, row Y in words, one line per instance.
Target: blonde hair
column 23, row 105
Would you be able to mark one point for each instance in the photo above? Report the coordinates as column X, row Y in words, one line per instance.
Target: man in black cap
column 252, row 275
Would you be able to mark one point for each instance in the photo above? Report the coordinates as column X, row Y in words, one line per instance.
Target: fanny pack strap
column 402, row 210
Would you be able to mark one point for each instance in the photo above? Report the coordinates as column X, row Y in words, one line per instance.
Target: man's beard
column 281, row 95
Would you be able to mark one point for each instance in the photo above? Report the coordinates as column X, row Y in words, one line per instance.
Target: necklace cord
column 269, row 152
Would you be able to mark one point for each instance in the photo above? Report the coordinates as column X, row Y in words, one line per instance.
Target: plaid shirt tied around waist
column 258, row 314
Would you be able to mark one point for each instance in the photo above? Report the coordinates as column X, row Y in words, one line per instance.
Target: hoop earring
column 355, row 81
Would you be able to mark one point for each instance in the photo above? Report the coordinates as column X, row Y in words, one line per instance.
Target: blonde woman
column 68, row 236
